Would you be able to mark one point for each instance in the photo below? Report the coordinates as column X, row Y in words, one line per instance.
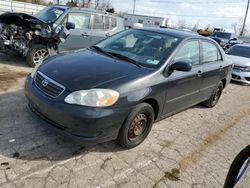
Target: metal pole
column 134, row 7
column 243, row 27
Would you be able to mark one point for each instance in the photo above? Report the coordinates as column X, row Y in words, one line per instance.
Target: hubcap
column 138, row 126
column 40, row 55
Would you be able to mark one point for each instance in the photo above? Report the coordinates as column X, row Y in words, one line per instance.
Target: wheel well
column 155, row 106
column 224, row 81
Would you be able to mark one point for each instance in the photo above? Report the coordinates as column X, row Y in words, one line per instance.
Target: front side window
column 210, row 52
column 189, row 53
column 145, row 47
column 80, row 20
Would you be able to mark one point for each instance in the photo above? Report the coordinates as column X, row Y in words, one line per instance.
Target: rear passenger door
column 79, row 37
column 183, row 87
column 212, row 67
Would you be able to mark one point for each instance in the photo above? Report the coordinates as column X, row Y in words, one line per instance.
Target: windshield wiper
column 123, row 57
column 101, row 50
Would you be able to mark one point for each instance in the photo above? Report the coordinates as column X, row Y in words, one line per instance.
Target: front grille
column 48, row 86
column 239, row 67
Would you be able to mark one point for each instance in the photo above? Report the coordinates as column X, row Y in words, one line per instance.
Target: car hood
column 237, row 60
column 88, row 69
column 20, row 19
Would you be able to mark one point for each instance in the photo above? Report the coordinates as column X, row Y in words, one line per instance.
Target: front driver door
column 80, row 36
column 183, row 87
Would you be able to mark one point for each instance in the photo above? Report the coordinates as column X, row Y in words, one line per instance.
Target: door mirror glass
column 70, row 25
column 181, row 66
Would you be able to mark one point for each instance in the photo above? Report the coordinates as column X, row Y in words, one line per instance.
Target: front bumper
column 241, row 76
column 89, row 124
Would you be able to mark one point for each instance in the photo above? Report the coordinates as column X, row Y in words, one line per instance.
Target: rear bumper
column 92, row 125
column 241, row 76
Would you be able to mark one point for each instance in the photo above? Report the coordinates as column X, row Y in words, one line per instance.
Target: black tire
column 36, row 53
column 141, row 116
column 213, row 100
column 235, row 167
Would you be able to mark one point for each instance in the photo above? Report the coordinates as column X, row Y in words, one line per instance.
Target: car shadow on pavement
column 25, row 136
column 9, row 58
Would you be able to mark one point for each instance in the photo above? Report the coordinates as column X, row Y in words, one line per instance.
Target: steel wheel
column 138, row 126
column 40, row 55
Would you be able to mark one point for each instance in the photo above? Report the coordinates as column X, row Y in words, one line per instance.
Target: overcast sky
column 218, row 13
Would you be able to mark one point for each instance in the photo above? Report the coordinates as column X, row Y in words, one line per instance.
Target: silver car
column 240, row 55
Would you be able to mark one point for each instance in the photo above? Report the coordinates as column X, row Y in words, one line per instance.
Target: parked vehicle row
column 226, row 40
column 118, row 88
column 55, row 29
column 240, row 55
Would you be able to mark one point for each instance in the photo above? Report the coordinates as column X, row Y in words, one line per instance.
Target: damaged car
column 39, row 36
column 35, row 37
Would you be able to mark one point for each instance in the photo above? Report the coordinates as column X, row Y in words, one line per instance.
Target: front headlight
column 93, row 97
column 247, row 69
column 33, row 73
column 222, row 42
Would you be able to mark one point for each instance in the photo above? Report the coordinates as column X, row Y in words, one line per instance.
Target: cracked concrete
column 191, row 149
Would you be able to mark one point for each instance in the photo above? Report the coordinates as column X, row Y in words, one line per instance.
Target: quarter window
column 80, row 20
column 210, row 52
column 189, row 53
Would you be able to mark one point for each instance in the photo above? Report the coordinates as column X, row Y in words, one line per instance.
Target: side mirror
column 70, row 25
column 181, row 66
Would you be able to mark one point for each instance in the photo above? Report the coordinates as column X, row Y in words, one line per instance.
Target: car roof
column 174, row 32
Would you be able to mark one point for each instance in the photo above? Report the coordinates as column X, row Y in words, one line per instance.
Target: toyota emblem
column 45, row 83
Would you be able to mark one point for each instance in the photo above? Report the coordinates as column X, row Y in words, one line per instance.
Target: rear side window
column 210, row 52
column 80, row 20
column 98, row 22
column 189, row 53
column 107, row 22
column 113, row 23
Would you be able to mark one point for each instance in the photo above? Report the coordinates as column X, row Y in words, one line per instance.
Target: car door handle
column 107, row 35
column 85, row 34
column 199, row 74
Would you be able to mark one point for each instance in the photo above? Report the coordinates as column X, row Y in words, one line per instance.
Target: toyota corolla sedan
column 118, row 88
column 240, row 55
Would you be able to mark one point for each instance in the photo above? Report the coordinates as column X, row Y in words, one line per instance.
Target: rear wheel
column 213, row 100
column 36, row 53
column 137, row 126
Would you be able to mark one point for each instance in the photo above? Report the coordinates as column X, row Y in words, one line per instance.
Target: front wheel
column 36, row 53
column 137, row 126
column 213, row 100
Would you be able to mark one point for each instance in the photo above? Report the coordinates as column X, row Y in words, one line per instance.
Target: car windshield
column 241, row 51
column 222, row 35
column 145, row 48
column 49, row 14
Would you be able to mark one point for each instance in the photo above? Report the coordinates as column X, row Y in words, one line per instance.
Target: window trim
column 201, row 50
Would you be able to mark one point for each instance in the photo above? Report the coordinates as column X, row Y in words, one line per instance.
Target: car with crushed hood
column 35, row 37
column 117, row 89
column 55, row 29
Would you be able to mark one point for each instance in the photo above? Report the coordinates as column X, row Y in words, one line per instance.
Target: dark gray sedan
column 118, row 88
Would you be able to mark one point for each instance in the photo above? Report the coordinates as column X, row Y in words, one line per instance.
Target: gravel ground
column 191, row 149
